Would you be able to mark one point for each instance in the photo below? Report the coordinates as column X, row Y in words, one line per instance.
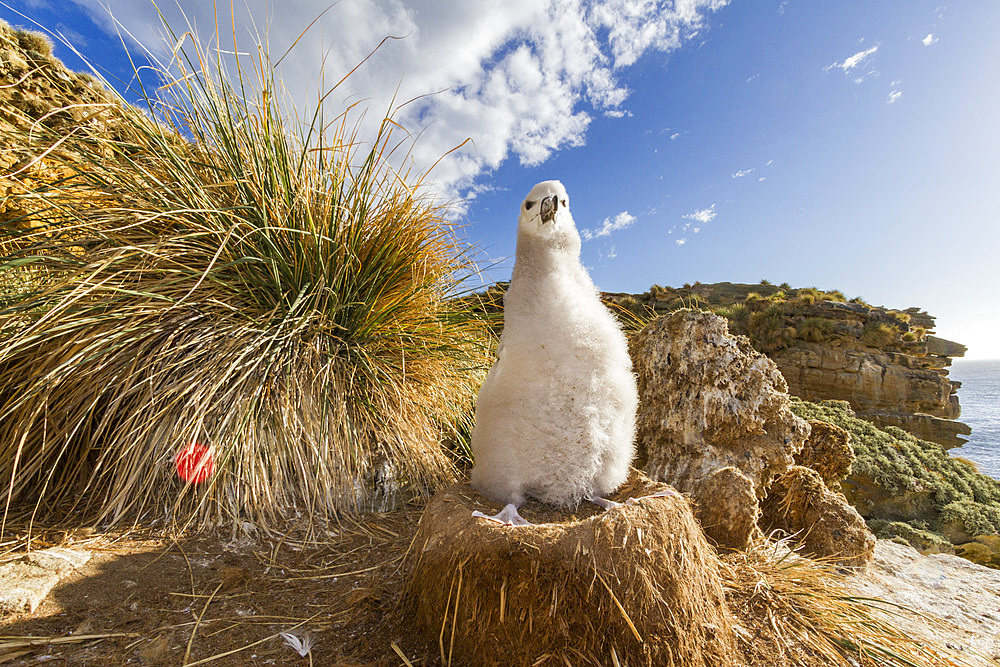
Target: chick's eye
column 562, row 201
column 528, row 205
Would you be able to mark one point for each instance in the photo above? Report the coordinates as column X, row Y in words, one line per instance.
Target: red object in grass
column 195, row 463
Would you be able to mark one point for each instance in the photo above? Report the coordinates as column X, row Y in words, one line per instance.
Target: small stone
column 25, row 582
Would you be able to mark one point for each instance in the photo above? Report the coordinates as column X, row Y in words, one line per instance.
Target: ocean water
column 980, row 399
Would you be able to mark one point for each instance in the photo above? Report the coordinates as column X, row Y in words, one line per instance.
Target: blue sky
column 845, row 145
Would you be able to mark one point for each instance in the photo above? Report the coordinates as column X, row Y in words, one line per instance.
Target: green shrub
column 977, row 518
column 766, row 328
column 904, row 533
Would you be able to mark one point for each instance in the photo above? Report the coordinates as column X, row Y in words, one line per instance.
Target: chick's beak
column 549, row 207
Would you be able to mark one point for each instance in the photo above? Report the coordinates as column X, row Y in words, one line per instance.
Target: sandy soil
column 148, row 592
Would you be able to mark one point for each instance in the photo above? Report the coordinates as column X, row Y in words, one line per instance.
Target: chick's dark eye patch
column 528, row 205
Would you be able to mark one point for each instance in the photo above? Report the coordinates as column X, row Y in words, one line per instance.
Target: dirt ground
column 142, row 596
column 149, row 598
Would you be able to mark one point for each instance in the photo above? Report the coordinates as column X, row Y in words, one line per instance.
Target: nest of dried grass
column 637, row 585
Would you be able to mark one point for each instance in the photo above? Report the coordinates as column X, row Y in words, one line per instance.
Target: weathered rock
column 884, row 362
column 25, row 582
column 871, row 380
column 945, row 432
column 940, row 597
column 945, row 348
column 708, row 401
column 828, row 451
column 727, row 507
column 984, row 550
column 799, row 503
column 713, row 419
column 886, row 387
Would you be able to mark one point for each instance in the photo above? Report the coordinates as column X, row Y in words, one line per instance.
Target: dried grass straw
column 218, row 271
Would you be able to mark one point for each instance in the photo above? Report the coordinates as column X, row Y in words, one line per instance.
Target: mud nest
column 638, row 584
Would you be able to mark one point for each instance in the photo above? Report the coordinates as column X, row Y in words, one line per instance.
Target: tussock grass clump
column 879, row 334
column 218, row 272
column 802, row 612
column 814, row 329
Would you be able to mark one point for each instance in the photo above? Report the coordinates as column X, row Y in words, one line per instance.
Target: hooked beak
column 549, row 207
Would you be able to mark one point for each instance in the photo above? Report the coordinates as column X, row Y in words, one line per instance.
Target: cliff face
column 886, row 363
column 904, row 384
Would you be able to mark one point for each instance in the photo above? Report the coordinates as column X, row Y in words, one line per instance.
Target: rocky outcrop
column 709, row 401
column 828, row 451
column 714, row 421
column 938, row 597
column 886, row 363
column 909, row 389
column 799, row 503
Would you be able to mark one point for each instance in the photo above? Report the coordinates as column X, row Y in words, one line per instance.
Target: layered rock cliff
column 886, row 363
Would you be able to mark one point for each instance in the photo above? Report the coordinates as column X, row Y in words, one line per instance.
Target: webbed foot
column 604, row 502
column 508, row 516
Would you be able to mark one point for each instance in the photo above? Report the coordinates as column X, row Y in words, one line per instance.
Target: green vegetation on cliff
column 910, row 488
column 776, row 317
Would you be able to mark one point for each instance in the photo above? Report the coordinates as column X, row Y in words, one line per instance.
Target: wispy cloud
column 621, row 221
column 929, row 39
column 894, row 95
column 522, row 80
column 742, row 172
column 681, row 241
column 702, row 215
column 852, row 62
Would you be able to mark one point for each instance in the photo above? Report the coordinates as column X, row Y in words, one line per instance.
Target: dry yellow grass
column 219, row 272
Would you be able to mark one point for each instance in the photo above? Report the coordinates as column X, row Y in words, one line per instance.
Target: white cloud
column 680, row 241
column 521, row 78
column 894, row 95
column 929, row 39
column 674, row 135
column 762, row 179
column 703, row 215
column 852, row 62
column 742, row 172
column 612, row 252
column 621, row 221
